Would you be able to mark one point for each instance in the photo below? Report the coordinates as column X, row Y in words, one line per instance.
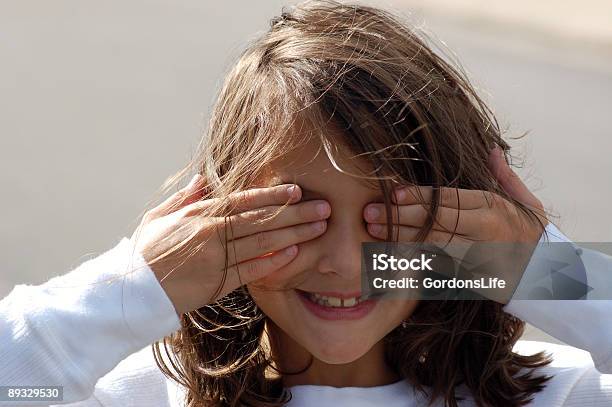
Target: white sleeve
column 593, row 389
column 586, row 323
column 75, row 328
column 574, row 380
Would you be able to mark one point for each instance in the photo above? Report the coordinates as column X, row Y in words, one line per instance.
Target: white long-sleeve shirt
column 88, row 332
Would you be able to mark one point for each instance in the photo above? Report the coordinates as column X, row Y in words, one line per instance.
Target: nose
column 340, row 245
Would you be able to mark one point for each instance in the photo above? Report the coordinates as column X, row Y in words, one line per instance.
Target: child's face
column 331, row 264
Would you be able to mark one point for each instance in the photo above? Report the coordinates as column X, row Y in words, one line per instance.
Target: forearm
column 75, row 328
column 583, row 323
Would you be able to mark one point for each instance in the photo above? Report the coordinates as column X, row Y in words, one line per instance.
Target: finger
column 261, row 243
column 447, row 219
column 456, row 198
column 192, row 192
column 409, row 234
column 251, row 199
column 509, row 180
column 254, row 221
column 259, row 197
column 296, row 272
column 258, row 268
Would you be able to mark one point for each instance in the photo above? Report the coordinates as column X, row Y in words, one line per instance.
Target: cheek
column 275, row 303
column 392, row 313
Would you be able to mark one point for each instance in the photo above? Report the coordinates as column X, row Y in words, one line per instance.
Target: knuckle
column 304, row 211
column 449, row 195
column 418, row 216
column 179, row 195
column 206, row 229
column 420, row 195
column 455, row 214
column 227, row 229
column 512, row 211
column 503, row 204
column 245, row 198
column 422, row 214
column 493, row 199
column 253, row 268
column 250, row 216
column 263, row 214
column 194, row 209
column 262, row 240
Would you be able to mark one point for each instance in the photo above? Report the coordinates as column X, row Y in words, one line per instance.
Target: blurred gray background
column 100, row 102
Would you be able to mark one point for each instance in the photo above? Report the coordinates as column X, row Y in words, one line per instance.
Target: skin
column 345, row 353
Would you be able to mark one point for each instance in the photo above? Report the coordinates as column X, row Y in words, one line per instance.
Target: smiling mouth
column 336, row 306
column 335, row 301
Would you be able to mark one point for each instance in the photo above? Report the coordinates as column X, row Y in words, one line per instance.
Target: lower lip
column 337, row 313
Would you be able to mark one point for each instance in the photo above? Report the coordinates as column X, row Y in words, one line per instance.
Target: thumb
column 509, row 180
column 192, row 192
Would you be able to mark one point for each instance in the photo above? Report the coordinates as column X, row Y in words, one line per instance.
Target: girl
column 338, row 126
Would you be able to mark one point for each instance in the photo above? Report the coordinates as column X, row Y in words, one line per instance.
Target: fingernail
column 193, row 180
column 322, row 209
column 372, row 212
column 375, row 228
column 319, row 226
column 293, row 191
column 291, row 250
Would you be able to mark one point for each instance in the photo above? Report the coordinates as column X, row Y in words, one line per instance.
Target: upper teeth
column 334, row 301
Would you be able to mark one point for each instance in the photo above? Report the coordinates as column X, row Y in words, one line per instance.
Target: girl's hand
column 511, row 182
column 191, row 277
column 473, row 215
column 484, row 216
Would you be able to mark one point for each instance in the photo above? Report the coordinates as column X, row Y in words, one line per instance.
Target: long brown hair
column 419, row 121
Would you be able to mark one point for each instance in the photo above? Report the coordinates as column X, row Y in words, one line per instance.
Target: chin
column 339, row 352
